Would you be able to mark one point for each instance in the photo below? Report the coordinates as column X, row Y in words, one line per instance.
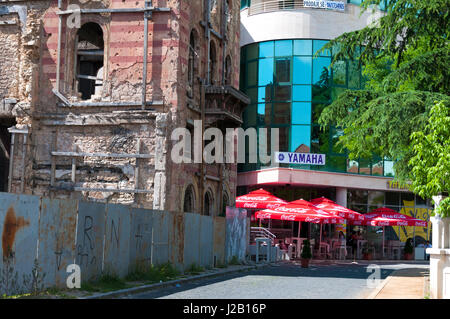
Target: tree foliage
column 431, row 157
column 404, row 56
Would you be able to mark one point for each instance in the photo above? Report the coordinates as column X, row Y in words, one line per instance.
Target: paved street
column 323, row 280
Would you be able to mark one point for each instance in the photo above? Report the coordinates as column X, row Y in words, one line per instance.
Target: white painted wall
column 305, row 23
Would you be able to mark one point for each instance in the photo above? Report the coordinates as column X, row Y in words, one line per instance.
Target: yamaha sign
column 299, row 158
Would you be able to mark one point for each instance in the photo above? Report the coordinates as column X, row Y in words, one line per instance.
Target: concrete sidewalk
column 409, row 283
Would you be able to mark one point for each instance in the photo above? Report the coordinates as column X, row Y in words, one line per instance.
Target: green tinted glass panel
column 252, row 73
column 352, row 166
column 266, row 49
column 354, row 75
column 265, row 75
column 364, row 166
column 282, row 93
column 340, row 73
column 265, row 94
column 317, row 45
column 251, row 51
column 303, row 47
column 249, row 115
column 302, row 70
column 319, row 140
column 282, row 113
column 301, row 113
column 321, row 71
column 301, row 93
column 300, row 138
column 283, row 70
column 283, row 48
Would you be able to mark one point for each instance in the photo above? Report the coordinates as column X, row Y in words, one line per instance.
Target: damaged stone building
column 91, row 90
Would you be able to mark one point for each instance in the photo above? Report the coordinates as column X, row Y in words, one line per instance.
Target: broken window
column 189, row 200
column 208, row 203
column 191, row 64
column 212, row 63
column 228, row 70
column 89, row 60
column 5, row 148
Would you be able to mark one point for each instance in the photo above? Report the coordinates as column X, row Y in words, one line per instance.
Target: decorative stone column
column 440, row 255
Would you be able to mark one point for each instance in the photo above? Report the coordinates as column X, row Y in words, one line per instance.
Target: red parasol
column 331, row 207
column 388, row 217
column 300, row 210
column 259, row 199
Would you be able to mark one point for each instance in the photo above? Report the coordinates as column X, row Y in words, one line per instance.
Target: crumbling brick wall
column 112, row 122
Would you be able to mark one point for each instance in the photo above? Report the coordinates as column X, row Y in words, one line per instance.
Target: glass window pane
column 357, row 196
column 317, row 109
column 335, row 134
column 249, row 115
column 266, row 49
column 252, row 94
column 282, row 93
column 265, row 94
column 283, row 138
column 407, row 199
column 336, row 163
column 282, row 113
column 300, row 138
column 336, row 91
column 302, row 70
column 392, row 198
column 364, row 166
column 352, row 166
column 319, row 140
column 377, row 168
column 354, row 75
column 303, row 47
column 376, row 198
column 252, row 51
column 321, row 72
column 265, row 75
column 317, row 45
column 340, row 73
column 263, row 111
column 389, row 168
column 252, row 73
column 301, row 113
column 283, row 48
column 283, row 70
column 301, row 93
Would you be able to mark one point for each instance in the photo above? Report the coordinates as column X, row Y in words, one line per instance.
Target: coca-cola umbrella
column 388, row 217
column 259, row 199
column 301, row 211
column 331, row 207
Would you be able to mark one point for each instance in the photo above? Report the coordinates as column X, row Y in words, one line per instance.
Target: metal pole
column 147, row 14
column 383, row 242
column 24, row 149
column 58, row 64
column 11, row 159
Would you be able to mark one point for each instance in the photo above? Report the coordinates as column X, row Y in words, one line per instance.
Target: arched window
column 225, row 203
column 208, row 206
column 89, row 60
column 189, row 200
column 212, row 63
column 228, row 71
column 191, row 62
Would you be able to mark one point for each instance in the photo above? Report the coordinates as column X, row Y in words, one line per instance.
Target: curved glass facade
column 288, row 87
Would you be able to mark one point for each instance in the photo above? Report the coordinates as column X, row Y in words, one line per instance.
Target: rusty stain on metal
column 10, row 227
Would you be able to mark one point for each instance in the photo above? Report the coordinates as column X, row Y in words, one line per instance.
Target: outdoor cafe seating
column 324, row 213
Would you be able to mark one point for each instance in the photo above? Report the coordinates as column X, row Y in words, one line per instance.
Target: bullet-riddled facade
column 91, row 92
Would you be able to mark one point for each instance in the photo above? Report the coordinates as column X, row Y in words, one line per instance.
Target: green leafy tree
column 404, row 56
column 431, row 160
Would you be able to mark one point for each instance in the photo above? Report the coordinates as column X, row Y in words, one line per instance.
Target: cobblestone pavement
column 287, row 280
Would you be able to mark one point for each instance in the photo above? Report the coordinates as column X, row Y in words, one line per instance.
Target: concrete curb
column 144, row 288
column 382, row 285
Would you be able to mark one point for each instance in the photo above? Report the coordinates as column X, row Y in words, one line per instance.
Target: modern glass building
column 289, row 81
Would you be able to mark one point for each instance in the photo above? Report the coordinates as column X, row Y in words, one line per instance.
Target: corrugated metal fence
column 108, row 238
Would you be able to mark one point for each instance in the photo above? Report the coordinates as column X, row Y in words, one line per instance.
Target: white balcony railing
column 277, row 5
